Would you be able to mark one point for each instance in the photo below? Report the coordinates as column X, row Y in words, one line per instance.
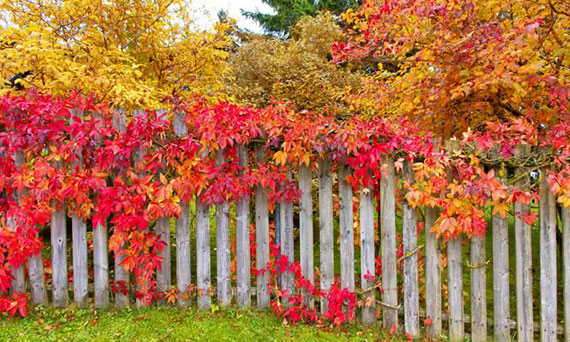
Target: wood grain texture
column 523, row 252
column 478, row 290
column 223, row 261
column 261, row 235
column 388, row 241
column 242, row 240
column 287, row 243
column 501, row 282
column 121, row 275
column 326, row 238
column 433, row 275
column 346, row 222
column 367, row 258
column 203, row 275
column 566, row 267
column 101, row 265
column 410, row 241
column 306, row 228
column 548, row 269
column 59, row 255
column 163, row 273
column 183, row 265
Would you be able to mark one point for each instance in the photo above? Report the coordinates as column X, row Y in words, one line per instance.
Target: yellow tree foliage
column 130, row 53
column 457, row 64
column 298, row 69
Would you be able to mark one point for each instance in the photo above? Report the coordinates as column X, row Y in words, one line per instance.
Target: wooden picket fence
column 400, row 306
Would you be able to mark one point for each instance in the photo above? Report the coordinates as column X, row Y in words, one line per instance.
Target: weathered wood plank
column 548, row 269
column 242, row 240
column 138, row 157
column 261, row 235
column 501, row 290
column 37, row 280
column 410, row 241
column 306, row 228
column 163, row 273
column 388, row 240
column 287, row 242
column 183, row 266
column 18, row 284
column 121, row 275
column 326, row 238
column 368, row 271
column 223, row 246
column 455, row 290
column 433, row 275
column 566, row 266
column 79, row 244
column 59, row 255
column 203, row 254
column 346, row 222
column 455, row 273
column 523, row 252
column 101, row 265
column 478, row 290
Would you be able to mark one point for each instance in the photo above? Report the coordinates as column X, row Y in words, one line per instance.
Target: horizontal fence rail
column 424, row 289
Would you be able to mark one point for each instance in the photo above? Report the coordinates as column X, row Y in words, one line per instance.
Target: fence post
column 478, row 290
column 121, row 275
column 389, row 248
column 138, row 158
column 501, row 292
column 203, row 253
column 59, row 255
column 262, row 235
column 163, row 275
column 368, row 272
column 326, row 238
column 566, row 265
column 242, row 240
column 287, row 241
column 548, row 276
column 223, row 245
column 18, row 284
column 433, row 275
column 79, row 242
column 410, row 240
column 183, row 267
column 523, row 251
column 306, row 227
column 455, row 274
column 346, row 223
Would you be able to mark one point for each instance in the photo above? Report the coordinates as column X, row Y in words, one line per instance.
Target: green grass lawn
column 170, row 324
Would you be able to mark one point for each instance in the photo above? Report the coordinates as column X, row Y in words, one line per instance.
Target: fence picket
column 18, row 284
column 346, row 222
column 203, row 253
column 223, row 245
column 242, row 241
column 326, row 239
column 455, row 273
column 79, row 244
column 389, row 248
column 121, row 275
column 566, row 267
column 523, row 252
column 548, row 269
column 368, row 271
column 433, row 276
column 101, row 266
column 59, row 255
column 287, row 242
column 306, row 227
column 410, row 240
column 501, row 292
column 163, row 274
column 183, row 267
column 262, row 235
column 478, row 290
